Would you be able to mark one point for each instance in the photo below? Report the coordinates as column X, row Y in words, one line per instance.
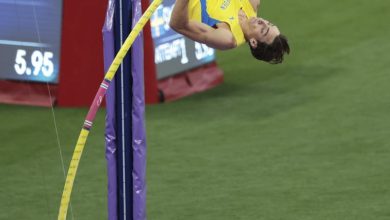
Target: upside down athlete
column 226, row 24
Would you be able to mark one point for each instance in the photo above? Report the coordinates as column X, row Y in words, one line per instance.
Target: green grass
column 306, row 140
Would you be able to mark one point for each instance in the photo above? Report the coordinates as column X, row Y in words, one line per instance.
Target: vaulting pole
column 65, row 199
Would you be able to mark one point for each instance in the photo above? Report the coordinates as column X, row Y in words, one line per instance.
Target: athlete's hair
column 271, row 53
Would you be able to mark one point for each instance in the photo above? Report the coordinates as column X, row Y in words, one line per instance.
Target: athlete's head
column 265, row 41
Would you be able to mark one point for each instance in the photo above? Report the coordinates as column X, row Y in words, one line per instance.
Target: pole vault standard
column 71, row 175
column 125, row 132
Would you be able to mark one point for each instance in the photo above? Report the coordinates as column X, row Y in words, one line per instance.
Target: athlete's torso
column 211, row 12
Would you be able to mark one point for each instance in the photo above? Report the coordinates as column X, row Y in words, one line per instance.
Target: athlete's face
column 263, row 30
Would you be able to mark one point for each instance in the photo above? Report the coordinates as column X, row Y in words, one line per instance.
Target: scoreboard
column 174, row 53
column 30, row 36
column 30, row 42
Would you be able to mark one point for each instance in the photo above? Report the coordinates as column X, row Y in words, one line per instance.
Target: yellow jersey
column 211, row 12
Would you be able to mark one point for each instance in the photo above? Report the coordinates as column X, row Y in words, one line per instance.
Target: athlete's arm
column 220, row 38
column 255, row 4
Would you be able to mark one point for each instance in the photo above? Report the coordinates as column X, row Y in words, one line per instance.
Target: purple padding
column 139, row 139
column 111, row 147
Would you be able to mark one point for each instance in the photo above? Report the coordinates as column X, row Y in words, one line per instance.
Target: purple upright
column 110, row 134
column 139, row 137
column 138, row 126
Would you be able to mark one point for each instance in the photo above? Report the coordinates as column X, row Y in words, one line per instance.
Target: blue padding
column 206, row 19
column 123, row 116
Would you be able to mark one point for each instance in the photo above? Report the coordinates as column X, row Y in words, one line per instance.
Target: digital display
column 30, row 35
column 173, row 52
